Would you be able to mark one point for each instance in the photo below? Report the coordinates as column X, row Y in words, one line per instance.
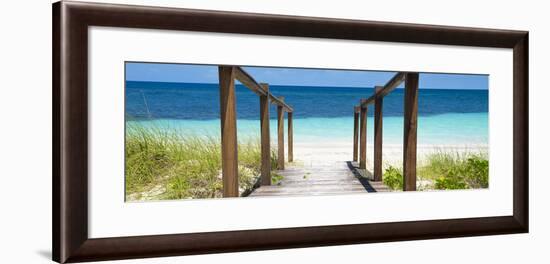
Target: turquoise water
column 321, row 114
column 452, row 128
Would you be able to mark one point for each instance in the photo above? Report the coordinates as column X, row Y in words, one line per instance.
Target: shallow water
column 445, row 129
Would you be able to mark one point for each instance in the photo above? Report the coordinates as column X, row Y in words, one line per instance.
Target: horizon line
column 310, row 86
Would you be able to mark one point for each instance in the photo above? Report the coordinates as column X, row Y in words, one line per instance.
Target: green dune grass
column 445, row 170
column 167, row 164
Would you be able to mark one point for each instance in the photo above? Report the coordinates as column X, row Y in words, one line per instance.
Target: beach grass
column 445, row 170
column 165, row 164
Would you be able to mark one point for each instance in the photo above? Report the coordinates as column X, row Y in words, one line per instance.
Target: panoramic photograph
column 213, row 131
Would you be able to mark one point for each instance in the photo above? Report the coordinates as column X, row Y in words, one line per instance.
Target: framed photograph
column 179, row 131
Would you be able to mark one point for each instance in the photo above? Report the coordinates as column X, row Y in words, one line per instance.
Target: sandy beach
column 313, row 154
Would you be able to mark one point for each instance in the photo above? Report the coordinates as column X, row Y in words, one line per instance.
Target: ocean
column 458, row 117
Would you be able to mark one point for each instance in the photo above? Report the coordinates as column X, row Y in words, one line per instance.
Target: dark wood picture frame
column 70, row 131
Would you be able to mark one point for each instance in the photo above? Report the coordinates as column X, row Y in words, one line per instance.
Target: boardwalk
column 321, row 178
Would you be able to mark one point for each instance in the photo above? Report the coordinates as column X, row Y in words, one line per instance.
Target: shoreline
column 450, row 128
column 311, row 154
column 314, row 143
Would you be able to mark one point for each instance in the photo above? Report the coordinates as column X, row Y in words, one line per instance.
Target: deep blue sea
column 445, row 116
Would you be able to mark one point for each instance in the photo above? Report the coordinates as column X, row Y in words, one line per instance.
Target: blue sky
column 292, row 76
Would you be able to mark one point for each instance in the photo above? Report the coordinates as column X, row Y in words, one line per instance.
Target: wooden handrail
column 242, row 76
column 392, row 84
column 249, row 82
column 395, row 81
column 278, row 102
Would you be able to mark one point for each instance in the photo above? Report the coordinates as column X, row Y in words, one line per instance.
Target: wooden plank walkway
column 320, row 179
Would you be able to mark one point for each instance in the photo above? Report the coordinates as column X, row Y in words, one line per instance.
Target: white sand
column 312, row 154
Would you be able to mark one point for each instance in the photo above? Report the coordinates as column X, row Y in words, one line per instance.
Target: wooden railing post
column 356, row 110
column 265, row 139
column 280, row 136
column 290, row 137
column 410, row 129
column 378, row 136
column 228, row 117
column 363, row 138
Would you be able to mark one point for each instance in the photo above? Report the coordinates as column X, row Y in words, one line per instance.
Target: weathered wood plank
column 324, row 180
column 319, row 181
column 265, row 138
column 378, row 136
column 355, row 132
column 318, row 175
column 363, row 138
column 315, row 178
column 321, row 193
column 280, row 137
column 228, row 117
column 410, row 129
column 290, row 137
column 289, row 172
column 311, row 187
